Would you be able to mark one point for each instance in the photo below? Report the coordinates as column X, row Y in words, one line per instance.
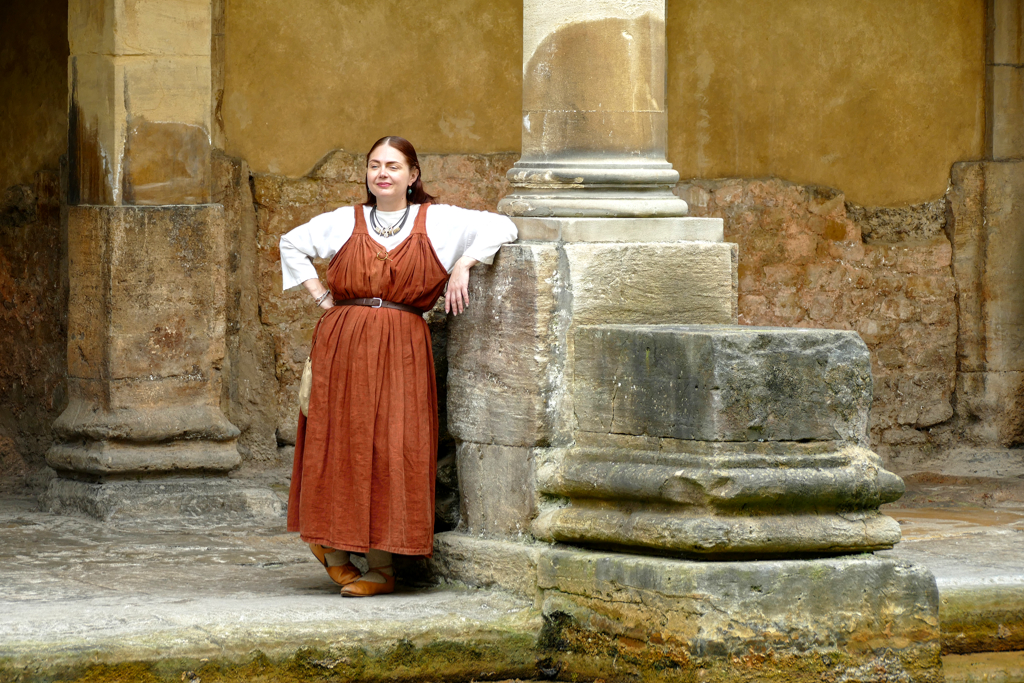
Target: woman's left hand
column 456, row 297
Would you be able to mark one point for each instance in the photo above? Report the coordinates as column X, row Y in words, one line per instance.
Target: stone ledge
column 660, row 529
column 982, row 618
column 104, row 458
column 216, row 500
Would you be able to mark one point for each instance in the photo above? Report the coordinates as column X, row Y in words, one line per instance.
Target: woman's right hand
column 316, row 289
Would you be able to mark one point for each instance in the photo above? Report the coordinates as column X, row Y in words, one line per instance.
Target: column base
column 210, row 499
column 590, row 229
column 615, row 615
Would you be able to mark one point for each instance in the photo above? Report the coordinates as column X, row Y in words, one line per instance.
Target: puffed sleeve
column 456, row 232
column 319, row 238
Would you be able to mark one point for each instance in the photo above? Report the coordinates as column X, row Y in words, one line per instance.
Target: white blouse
column 454, row 232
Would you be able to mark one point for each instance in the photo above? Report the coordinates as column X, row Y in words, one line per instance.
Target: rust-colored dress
column 366, row 456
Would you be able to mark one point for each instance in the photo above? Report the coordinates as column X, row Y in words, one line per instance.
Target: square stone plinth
column 722, row 383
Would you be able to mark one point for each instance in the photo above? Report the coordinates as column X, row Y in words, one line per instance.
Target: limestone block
column 678, row 229
column 496, row 487
column 1004, row 259
column 570, row 101
column 857, row 604
column 617, row 616
column 1008, row 110
column 505, row 352
column 140, row 27
column 992, row 404
column 656, row 283
column 717, row 383
column 486, row 563
column 147, row 294
column 140, row 109
column 104, row 458
column 967, row 202
column 647, row 528
column 166, row 152
column 1007, row 21
column 982, row 618
column 95, row 133
column 214, row 500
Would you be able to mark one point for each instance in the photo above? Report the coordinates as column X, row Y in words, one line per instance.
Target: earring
column 408, row 191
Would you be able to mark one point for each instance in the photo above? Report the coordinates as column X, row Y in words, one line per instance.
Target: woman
column 365, row 457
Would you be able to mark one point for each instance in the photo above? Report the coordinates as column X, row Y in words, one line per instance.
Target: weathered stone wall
column 33, row 89
column 809, row 258
column 33, row 327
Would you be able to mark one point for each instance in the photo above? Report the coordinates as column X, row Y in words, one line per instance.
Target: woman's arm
column 317, row 290
column 319, row 238
column 463, row 238
column 456, row 297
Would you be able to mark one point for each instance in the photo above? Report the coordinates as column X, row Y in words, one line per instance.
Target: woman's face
column 388, row 175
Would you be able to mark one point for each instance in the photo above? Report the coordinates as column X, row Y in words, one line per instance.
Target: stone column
column 602, row 396
column 1005, row 65
column 143, row 432
column 595, row 126
column 987, row 233
column 599, row 388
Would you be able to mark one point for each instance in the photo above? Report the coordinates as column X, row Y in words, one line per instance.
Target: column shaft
column 594, row 120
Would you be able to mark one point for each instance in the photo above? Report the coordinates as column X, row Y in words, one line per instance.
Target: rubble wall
column 811, row 258
column 33, row 327
column 34, row 83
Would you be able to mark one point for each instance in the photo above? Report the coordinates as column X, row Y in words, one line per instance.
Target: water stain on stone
column 597, row 87
column 88, row 171
column 166, row 163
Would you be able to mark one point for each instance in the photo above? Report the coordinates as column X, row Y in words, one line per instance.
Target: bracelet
column 323, row 297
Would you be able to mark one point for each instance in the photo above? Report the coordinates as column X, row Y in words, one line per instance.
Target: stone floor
column 75, row 591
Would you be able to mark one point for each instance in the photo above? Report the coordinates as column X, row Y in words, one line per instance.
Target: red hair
column 419, row 195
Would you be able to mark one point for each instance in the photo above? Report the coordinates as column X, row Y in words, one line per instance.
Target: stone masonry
column 808, row 258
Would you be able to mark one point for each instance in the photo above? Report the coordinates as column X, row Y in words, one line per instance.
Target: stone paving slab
column 74, row 590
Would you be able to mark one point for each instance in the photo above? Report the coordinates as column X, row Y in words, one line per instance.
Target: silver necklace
column 388, row 230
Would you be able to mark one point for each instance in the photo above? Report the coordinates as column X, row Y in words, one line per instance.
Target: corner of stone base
column 614, row 615
column 184, row 498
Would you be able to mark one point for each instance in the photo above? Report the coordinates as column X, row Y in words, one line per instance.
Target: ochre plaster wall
column 877, row 98
column 304, row 77
column 33, row 88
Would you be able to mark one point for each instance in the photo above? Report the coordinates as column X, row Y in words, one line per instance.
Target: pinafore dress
column 366, row 455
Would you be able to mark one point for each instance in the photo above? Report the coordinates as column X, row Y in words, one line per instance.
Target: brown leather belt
column 377, row 302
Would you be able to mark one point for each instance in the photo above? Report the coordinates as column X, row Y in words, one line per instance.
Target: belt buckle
column 376, row 302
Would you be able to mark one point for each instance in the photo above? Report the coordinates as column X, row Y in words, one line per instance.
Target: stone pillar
column 143, row 432
column 602, row 396
column 599, row 390
column 986, row 228
column 595, row 126
column 1006, row 80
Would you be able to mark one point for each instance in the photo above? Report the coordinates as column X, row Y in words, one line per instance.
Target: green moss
column 511, row 656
